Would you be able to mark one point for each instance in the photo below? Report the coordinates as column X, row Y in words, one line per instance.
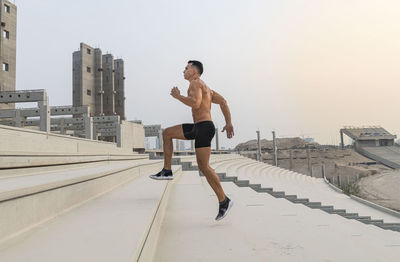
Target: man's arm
column 194, row 95
column 218, row 99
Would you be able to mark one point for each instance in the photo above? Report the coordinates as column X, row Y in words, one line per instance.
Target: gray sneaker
column 224, row 209
column 164, row 174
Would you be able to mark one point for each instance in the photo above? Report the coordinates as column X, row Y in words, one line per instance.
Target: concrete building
column 374, row 142
column 119, row 87
column 8, row 48
column 368, row 136
column 98, row 82
column 108, row 84
column 87, row 79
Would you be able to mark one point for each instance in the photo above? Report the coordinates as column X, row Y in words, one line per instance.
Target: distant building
column 309, row 139
column 8, row 48
column 373, row 136
column 98, row 82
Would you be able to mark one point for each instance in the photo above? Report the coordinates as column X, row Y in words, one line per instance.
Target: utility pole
column 216, row 139
column 309, row 161
column 275, row 149
column 258, row 146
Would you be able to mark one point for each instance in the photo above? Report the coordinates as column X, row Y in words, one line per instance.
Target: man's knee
column 204, row 167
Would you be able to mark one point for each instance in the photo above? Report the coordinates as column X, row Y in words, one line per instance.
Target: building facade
column 8, row 48
column 98, row 82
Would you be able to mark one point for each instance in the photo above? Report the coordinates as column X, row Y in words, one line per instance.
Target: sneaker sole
column 161, row 178
column 227, row 210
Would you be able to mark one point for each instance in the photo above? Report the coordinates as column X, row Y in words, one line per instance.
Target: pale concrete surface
column 12, row 187
column 388, row 155
column 22, row 147
column 383, row 189
column 15, row 172
column 26, row 201
column 303, row 186
column 109, row 228
column 262, row 228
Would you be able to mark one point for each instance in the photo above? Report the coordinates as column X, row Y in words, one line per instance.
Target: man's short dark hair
column 198, row 65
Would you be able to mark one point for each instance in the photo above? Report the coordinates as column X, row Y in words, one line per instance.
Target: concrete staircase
column 99, row 211
column 259, row 227
column 265, row 175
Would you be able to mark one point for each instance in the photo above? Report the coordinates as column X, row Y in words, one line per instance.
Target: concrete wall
column 119, row 83
column 367, row 143
column 24, row 141
column 8, row 49
column 132, row 136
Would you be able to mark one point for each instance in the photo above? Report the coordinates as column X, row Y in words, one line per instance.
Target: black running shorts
column 201, row 132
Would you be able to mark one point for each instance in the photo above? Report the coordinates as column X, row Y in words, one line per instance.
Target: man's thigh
column 203, row 156
column 175, row 132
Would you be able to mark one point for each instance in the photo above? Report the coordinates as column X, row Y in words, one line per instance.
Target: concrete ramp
column 387, row 155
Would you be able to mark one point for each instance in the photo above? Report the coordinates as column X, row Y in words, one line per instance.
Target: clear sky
column 299, row 67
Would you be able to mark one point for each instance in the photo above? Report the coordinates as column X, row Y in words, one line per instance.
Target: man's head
column 193, row 69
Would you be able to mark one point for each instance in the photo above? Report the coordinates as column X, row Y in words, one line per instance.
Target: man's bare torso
column 203, row 112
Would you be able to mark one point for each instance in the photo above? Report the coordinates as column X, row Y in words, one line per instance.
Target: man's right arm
column 218, row 99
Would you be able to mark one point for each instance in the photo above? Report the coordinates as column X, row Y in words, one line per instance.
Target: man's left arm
column 194, row 95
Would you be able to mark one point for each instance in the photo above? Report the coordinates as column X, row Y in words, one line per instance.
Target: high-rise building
column 87, row 77
column 8, row 48
column 108, row 85
column 119, row 87
column 98, row 82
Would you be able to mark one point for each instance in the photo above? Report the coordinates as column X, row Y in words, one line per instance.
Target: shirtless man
column 202, row 131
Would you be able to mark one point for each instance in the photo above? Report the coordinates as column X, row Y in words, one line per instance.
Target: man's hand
column 175, row 92
column 229, row 130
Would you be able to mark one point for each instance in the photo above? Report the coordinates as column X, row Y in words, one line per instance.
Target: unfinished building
column 98, row 82
column 8, row 48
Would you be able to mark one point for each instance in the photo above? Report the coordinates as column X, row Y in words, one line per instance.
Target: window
column 89, row 92
column 5, row 67
column 7, row 8
column 88, row 69
column 88, row 51
column 6, row 34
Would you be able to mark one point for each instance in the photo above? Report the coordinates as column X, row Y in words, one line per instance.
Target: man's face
column 189, row 71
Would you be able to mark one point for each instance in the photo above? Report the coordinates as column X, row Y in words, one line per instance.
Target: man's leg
column 174, row 132
column 203, row 157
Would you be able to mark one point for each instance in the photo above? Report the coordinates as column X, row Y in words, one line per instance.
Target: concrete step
column 338, row 211
column 278, row 194
column 242, row 183
column 112, row 227
column 299, row 200
column 314, row 204
column 291, row 197
column 265, row 190
column 390, row 226
column 349, row 215
column 26, row 201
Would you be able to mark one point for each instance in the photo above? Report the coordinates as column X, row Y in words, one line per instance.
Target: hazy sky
column 299, row 67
